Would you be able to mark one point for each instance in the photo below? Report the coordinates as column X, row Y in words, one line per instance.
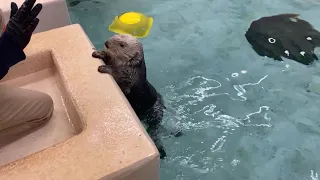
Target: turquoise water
column 245, row 117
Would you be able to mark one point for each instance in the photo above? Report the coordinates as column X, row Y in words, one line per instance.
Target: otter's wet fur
column 124, row 60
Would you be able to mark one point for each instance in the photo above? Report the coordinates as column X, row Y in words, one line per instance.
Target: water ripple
column 190, row 106
column 241, row 90
column 188, row 103
column 314, row 175
column 198, row 88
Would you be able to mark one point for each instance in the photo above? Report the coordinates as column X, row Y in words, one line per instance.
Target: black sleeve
column 10, row 54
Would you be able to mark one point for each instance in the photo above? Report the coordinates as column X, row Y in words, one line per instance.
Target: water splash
column 314, row 175
column 241, row 90
column 198, row 88
column 218, row 144
column 190, row 106
column 235, row 162
column 189, row 102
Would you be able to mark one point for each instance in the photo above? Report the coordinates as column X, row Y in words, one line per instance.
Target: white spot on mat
column 309, row 38
column 287, row 52
column 293, row 19
column 302, row 53
column 272, row 40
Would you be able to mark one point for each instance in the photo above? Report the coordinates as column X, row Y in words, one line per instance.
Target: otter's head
column 124, row 50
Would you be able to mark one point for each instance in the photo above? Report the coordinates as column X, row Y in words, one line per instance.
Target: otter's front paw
column 104, row 69
column 162, row 153
column 98, row 54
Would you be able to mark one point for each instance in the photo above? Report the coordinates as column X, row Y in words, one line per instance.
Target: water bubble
column 243, row 71
column 235, row 162
column 234, row 75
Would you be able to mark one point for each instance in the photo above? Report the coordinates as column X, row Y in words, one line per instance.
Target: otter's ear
column 135, row 60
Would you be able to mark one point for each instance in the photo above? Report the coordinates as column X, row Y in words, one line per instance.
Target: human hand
column 23, row 22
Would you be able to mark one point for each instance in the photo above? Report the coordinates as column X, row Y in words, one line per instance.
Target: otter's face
column 124, row 50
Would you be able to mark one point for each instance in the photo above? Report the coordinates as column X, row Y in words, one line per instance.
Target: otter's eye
column 121, row 45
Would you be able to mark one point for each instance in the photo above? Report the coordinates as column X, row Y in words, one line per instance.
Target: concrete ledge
column 112, row 144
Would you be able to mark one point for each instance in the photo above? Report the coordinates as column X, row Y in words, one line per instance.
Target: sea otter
column 124, row 60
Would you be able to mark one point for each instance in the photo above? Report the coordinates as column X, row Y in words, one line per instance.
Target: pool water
column 245, row 117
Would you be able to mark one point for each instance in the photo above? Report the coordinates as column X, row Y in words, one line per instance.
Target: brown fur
column 124, row 60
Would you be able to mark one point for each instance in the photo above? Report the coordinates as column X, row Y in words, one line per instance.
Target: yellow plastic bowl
column 134, row 23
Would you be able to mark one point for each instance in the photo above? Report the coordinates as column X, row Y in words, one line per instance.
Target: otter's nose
column 106, row 44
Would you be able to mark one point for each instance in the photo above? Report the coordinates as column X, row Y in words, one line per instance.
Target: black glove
column 23, row 22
